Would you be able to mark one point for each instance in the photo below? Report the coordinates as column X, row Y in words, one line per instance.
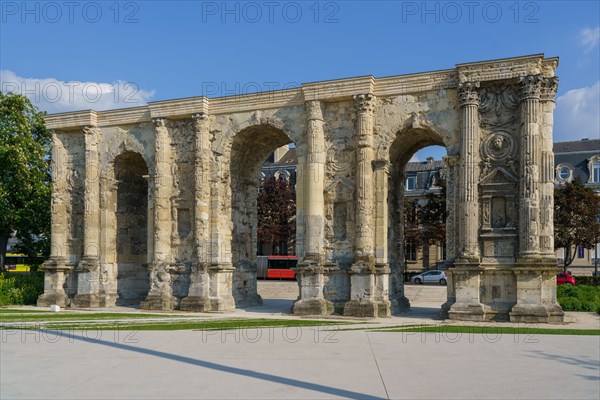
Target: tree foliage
column 432, row 218
column 277, row 214
column 25, row 178
column 576, row 218
column 425, row 222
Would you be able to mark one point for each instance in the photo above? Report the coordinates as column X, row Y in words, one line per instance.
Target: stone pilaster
column 452, row 165
column 363, row 301
column 547, row 105
column 469, row 174
column 160, row 295
column 198, row 294
column 310, row 272
column 88, row 271
column 56, row 266
column 529, row 174
column 382, row 275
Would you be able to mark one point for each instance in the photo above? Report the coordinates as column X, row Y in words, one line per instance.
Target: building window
column 411, row 183
column 580, row 251
column 564, row 173
column 410, row 250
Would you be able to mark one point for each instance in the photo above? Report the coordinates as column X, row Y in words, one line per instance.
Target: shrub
column 20, row 288
column 588, row 280
column 579, row 298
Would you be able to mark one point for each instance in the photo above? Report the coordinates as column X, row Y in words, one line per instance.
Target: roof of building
column 428, row 165
column 290, row 158
column 577, row 146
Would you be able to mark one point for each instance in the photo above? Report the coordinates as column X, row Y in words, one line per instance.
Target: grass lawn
column 495, row 330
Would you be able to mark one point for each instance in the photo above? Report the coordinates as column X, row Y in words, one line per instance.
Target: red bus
column 276, row 267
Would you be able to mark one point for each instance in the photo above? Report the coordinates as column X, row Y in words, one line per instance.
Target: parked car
column 565, row 278
column 430, row 277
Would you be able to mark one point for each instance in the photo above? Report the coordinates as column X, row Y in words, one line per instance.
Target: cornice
column 326, row 91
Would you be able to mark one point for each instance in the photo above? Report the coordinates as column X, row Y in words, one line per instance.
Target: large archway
column 407, row 142
column 131, row 213
column 249, row 149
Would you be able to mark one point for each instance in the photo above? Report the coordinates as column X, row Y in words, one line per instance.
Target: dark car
column 564, row 278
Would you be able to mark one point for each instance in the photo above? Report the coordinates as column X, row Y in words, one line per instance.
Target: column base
column 223, row 303
column 195, row 304
column 48, row 299
column 536, row 313
column 467, row 312
column 400, row 304
column 313, row 307
column 157, row 302
column 91, row 300
column 361, row 308
column 384, row 309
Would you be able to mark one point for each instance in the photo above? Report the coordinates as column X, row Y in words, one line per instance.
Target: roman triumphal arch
column 156, row 205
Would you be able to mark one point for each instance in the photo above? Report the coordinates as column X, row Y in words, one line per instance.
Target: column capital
column 381, row 164
column 530, row 87
column 549, row 88
column 467, row 93
column 90, row 129
column 451, row 161
column 364, row 103
column 314, row 110
column 159, row 122
column 201, row 116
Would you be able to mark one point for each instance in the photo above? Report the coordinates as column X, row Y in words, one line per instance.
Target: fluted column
column 530, row 159
column 363, row 284
column 469, row 173
column 548, row 94
column 56, row 266
column 197, row 299
column 382, row 269
column 159, row 296
column 310, row 272
column 314, row 180
column 88, row 278
column 365, row 106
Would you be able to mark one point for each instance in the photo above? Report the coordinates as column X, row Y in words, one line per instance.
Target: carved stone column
column 197, row 298
column 529, row 191
column 382, row 275
column 535, row 276
column 160, row 295
column 452, row 227
column 310, row 271
column 88, row 274
column 469, row 174
column 362, row 273
column 56, row 266
column 548, row 94
column 221, row 267
column 464, row 279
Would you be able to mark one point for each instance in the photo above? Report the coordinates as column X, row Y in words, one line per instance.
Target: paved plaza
column 303, row 363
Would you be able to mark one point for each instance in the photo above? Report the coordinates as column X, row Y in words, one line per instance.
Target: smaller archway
column 131, row 174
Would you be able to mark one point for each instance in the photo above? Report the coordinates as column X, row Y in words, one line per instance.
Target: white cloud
column 589, row 38
column 577, row 114
column 56, row 96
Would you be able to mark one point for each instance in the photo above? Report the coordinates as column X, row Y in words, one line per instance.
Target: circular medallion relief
column 499, row 146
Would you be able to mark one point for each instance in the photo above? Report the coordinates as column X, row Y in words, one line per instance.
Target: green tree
column 25, row 178
column 432, row 218
column 277, row 214
column 576, row 214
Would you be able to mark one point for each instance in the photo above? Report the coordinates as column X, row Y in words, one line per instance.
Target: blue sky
column 136, row 51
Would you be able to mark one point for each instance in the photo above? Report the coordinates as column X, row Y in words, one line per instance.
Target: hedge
column 20, row 288
column 588, row 280
column 579, row 298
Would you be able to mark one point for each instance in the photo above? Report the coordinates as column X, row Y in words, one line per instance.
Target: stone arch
column 412, row 135
column 250, row 144
column 129, row 217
